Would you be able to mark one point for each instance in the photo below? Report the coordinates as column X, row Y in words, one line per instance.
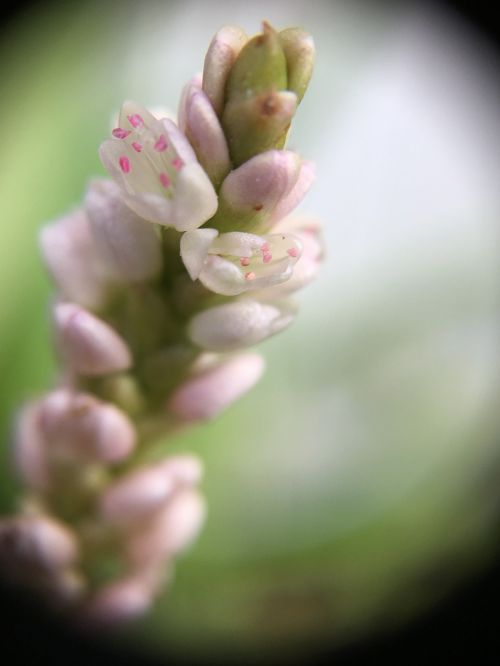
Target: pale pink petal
column 204, row 395
column 89, row 345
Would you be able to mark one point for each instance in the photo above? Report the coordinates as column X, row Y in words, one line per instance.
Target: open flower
column 235, row 262
column 157, row 170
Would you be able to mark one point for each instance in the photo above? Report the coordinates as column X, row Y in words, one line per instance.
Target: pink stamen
column 264, row 248
column 267, row 257
column 124, row 163
column 164, row 179
column 161, row 144
column 120, row 133
column 177, row 163
column 135, row 120
column 136, row 146
column 293, row 252
column 250, row 276
column 245, row 261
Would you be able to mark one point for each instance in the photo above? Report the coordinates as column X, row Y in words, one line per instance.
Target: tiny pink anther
column 137, row 146
column 135, row 120
column 250, row 276
column 267, row 257
column 120, row 133
column 293, row 252
column 264, row 248
column 161, row 144
column 124, row 163
column 164, row 179
column 177, row 163
column 245, row 261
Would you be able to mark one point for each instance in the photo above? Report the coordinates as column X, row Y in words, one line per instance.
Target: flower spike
column 165, row 277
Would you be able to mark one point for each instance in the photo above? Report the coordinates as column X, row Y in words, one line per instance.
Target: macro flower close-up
column 249, row 340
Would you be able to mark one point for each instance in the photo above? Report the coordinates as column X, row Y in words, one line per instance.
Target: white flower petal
column 195, row 200
column 194, row 249
column 156, row 168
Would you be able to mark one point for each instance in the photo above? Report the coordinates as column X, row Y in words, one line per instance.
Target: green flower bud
column 258, row 124
column 298, row 47
column 260, row 67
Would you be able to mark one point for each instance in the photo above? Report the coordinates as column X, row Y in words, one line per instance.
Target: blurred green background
column 358, row 482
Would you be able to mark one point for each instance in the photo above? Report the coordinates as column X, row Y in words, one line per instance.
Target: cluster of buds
column 164, row 277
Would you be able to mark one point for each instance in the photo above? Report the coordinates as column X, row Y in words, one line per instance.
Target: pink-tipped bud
column 137, row 495
column 76, row 425
column 141, row 493
column 205, row 134
column 170, row 531
column 30, row 455
column 296, row 194
column 127, row 244
column 186, row 470
column 89, row 345
column 221, row 55
column 118, row 603
column 238, row 324
column 34, row 545
column 69, row 252
column 250, row 193
column 208, row 393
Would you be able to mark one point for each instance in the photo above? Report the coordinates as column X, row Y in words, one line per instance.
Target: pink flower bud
column 89, row 345
column 76, row 425
column 205, row 134
column 127, row 244
column 170, row 531
column 238, row 324
column 70, row 255
column 30, row 545
column 260, row 183
column 185, row 469
column 141, row 493
column 221, row 55
column 137, row 494
column 296, row 194
column 118, row 603
column 204, row 395
column 195, row 82
column 29, row 448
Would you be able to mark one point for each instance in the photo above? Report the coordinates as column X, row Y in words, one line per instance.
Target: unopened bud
column 222, row 52
column 260, row 67
column 203, row 129
column 170, row 531
column 118, row 603
column 127, row 244
column 30, row 455
column 296, row 194
column 137, row 495
column 298, row 47
column 204, row 395
column 258, row 123
column 70, row 255
column 237, row 324
column 33, row 545
column 251, row 192
column 89, row 345
column 78, row 425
